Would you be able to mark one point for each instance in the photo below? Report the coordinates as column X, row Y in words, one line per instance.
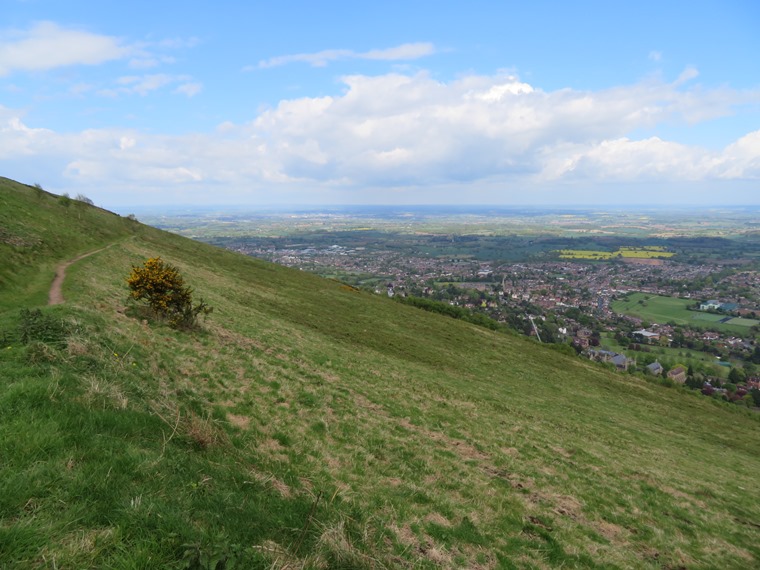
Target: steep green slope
column 311, row 425
column 39, row 229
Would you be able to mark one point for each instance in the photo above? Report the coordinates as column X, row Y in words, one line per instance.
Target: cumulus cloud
column 189, row 89
column 741, row 159
column 398, row 131
column 147, row 55
column 413, row 129
column 47, row 45
column 147, row 61
column 407, row 51
column 144, row 84
column 687, row 74
column 624, row 160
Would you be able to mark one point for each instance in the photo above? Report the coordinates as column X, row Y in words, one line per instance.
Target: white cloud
column 402, row 52
column 741, row 159
column 625, row 160
column 687, row 74
column 653, row 159
column 47, row 46
column 179, row 43
column 189, row 89
column 409, row 132
column 478, row 127
column 126, row 142
column 144, row 84
column 655, row 55
column 320, row 59
column 148, row 61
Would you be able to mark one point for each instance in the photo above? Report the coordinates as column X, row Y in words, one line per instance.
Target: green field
column 645, row 252
column 592, row 255
column 660, row 309
column 310, row 425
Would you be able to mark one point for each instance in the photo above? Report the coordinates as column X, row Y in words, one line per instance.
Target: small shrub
column 34, row 325
column 162, row 287
column 40, row 353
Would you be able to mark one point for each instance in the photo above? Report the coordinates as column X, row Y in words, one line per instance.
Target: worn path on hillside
column 55, row 297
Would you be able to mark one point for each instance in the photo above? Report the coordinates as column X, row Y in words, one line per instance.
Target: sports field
column 660, row 309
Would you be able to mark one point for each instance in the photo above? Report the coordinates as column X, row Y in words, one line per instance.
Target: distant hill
column 310, row 425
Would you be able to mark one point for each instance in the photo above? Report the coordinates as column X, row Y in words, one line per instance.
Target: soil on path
column 55, row 297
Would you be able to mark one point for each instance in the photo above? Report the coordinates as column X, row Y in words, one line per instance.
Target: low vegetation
column 311, row 425
column 163, row 288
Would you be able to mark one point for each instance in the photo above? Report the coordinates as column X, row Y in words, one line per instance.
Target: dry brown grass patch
column 269, row 480
column 568, row 506
column 721, row 548
column 437, row 518
column 273, row 448
column 75, row 543
column 461, row 448
column 203, row 431
column 689, row 499
column 101, row 393
column 78, row 347
column 363, row 402
column 561, row 451
column 611, row 531
column 404, row 534
column 241, row 422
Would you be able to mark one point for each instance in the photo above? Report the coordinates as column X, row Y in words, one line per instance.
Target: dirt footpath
column 55, row 297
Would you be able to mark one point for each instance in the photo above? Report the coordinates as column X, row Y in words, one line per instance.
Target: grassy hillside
column 38, row 230
column 309, row 425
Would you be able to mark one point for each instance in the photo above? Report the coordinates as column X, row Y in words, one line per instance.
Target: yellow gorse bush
column 162, row 287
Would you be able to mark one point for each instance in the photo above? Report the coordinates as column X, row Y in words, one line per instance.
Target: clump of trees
column 84, row 200
column 163, row 288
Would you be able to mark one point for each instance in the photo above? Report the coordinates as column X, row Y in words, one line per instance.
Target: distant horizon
column 293, row 208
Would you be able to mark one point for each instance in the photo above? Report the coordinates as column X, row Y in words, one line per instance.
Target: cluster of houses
column 678, row 374
column 623, row 363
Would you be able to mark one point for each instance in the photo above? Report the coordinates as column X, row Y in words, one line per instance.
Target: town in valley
column 672, row 295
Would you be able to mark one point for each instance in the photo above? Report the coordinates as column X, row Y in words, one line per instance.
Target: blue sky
column 414, row 102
